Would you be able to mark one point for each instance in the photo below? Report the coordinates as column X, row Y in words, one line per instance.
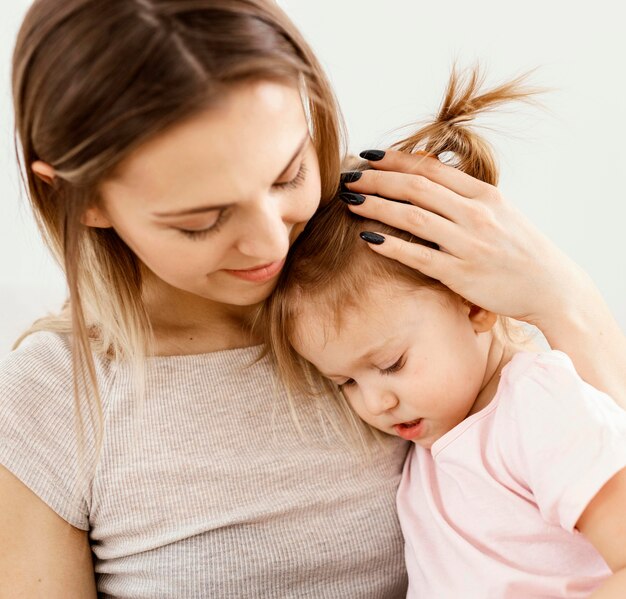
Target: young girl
column 171, row 163
column 513, row 453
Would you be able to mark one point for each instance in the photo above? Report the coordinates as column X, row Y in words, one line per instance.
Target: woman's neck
column 184, row 323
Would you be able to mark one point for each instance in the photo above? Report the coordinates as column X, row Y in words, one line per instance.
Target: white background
column 389, row 61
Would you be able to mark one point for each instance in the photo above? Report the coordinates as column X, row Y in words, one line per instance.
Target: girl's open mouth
column 409, row 430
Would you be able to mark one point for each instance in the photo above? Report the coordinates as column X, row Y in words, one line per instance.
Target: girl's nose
column 265, row 235
column 379, row 401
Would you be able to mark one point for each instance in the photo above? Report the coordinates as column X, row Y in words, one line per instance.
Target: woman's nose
column 265, row 235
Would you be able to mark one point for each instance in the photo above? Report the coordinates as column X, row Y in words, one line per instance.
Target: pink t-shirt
column 490, row 511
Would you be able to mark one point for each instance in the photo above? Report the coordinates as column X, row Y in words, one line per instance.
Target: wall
column 389, row 61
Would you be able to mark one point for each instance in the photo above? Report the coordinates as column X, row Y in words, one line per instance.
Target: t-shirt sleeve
column 570, row 437
column 39, row 439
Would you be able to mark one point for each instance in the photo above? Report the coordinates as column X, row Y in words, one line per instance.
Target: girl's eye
column 395, row 366
column 202, row 233
column 295, row 182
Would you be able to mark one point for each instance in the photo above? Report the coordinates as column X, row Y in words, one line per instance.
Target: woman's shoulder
column 38, row 430
column 42, row 356
column 43, row 360
column 41, row 368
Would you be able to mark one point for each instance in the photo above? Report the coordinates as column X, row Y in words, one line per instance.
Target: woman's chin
column 247, row 295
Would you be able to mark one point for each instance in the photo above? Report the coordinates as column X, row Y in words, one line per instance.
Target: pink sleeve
column 571, row 437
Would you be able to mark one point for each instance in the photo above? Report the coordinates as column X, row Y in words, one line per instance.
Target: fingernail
column 373, row 155
column 354, row 199
column 370, row 237
column 350, row 177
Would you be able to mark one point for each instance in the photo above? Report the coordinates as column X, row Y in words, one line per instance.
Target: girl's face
column 212, row 205
column 411, row 363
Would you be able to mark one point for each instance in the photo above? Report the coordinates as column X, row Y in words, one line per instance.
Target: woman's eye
column 195, row 234
column 394, row 367
column 295, row 182
column 202, row 233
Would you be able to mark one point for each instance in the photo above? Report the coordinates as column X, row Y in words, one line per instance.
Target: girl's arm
column 41, row 555
column 494, row 257
column 604, row 523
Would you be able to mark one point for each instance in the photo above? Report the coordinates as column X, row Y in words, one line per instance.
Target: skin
column 191, row 316
column 404, row 354
column 423, row 353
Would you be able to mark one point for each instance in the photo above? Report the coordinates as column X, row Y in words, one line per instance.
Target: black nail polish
column 355, row 199
column 374, row 238
column 350, row 177
column 373, row 155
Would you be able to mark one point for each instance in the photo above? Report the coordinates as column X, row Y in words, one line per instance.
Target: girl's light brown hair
column 95, row 79
column 331, row 268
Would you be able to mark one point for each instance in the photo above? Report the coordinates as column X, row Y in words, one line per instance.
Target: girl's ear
column 95, row 217
column 44, row 171
column 482, row 320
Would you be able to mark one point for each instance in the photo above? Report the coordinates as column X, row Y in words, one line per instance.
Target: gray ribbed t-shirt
column 213, row 492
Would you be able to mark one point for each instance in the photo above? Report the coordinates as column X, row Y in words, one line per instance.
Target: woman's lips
column 410, row 430
column 260, row 274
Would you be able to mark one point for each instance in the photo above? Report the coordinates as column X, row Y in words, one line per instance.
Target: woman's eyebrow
column 200, row 209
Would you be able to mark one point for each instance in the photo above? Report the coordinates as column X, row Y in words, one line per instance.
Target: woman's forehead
column 245, row 141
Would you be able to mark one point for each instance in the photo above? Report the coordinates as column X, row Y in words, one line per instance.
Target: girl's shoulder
column 545, row 387
column 545, row 370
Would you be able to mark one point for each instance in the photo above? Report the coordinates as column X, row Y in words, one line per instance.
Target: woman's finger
column 421, row 223
column 430, row 167
column 433, row 263
column 416, row 189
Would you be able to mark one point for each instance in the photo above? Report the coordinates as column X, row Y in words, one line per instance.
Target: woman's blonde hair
column 92, row 81
column 332, row 268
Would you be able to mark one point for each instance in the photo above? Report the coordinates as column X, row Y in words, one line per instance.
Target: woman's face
column 212, row 205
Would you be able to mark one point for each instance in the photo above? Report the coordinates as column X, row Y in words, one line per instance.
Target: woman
column 170, row 172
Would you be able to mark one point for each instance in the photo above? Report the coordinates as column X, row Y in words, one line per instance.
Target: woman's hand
column 494, row 257
column 491, row 255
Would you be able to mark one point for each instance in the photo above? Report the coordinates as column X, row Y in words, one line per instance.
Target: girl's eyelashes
column 214, row 228
column 397, row 365
column 296, row 181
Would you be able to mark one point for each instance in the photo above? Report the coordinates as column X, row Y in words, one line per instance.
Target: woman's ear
column 482, row 320
column 95, row 217
column 44, row 171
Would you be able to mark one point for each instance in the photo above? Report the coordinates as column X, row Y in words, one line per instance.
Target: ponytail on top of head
column 451, row 132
